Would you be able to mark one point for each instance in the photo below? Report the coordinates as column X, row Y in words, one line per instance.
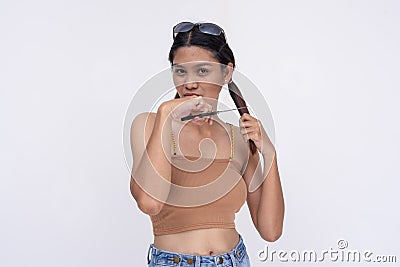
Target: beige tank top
column 205, row 192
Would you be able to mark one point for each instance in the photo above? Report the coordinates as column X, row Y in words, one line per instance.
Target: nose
column 190, row 83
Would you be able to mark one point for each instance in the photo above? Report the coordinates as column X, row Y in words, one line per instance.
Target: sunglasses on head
column 208, row 28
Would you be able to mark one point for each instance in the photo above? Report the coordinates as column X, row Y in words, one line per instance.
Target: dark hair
column 221, row 51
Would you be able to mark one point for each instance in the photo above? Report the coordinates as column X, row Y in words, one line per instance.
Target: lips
column 189, row 94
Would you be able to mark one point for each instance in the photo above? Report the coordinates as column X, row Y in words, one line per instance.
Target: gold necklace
column 232, row 142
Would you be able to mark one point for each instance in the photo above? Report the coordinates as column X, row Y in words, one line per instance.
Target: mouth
column 189, row 94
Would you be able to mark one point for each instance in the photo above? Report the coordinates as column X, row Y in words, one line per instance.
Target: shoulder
column 144, row 119
column 143, row 123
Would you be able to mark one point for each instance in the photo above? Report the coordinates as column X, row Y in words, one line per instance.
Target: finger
column 241, row 123
column 249, row 130
column 198, row 120
column 255, row 136
column 252, row 133
column 246, row 116
column 248, row 124
column 192, row 99
column 200, row 103
column 195, row 100
column 248, row 136
column 204, row 107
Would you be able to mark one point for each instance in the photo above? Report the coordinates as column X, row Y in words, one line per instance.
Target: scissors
column 190, row 117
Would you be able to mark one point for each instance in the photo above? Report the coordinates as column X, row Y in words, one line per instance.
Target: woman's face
column 196, row 71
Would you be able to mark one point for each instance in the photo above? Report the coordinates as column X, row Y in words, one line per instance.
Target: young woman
column 192, row 176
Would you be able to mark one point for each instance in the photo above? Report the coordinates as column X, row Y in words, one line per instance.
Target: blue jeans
column 237, row 257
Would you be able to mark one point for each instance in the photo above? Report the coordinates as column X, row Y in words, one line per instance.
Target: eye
column 203, row 71
column 179, row 71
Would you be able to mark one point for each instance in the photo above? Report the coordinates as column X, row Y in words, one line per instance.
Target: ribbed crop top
column 205, row 192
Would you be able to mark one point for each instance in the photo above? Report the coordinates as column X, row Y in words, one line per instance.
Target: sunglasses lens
column 210, row 28
column 183, row 27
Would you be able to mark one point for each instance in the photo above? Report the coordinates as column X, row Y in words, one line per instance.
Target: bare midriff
column 203, row 242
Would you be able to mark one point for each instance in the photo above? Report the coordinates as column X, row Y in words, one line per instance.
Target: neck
column 206, row 129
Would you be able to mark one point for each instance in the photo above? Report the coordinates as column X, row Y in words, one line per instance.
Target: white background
column 69, row 69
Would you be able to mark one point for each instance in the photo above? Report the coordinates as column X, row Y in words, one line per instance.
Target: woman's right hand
column 192, row 105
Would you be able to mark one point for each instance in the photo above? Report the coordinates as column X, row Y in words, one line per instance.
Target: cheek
column 218, row 79
column 178, row 81
column 212, row 89
column 179, row 85
column 179, row 89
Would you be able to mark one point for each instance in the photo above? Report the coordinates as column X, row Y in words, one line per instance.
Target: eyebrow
column 197, row 65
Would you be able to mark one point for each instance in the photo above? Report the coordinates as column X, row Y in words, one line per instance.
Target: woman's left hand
column 251, row 128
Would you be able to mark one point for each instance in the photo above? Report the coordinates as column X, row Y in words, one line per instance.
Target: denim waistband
column 169, row 258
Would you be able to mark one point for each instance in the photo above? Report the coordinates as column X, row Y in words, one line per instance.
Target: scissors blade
column 190, row 117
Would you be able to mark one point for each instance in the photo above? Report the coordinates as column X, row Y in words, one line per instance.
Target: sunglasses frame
column 201, row 26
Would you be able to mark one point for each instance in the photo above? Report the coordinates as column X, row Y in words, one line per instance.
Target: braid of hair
column 238, row 99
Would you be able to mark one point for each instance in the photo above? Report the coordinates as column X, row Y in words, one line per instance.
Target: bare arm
column 151, row 172
column 265, row 199
column 151, row 147
column 266, row 203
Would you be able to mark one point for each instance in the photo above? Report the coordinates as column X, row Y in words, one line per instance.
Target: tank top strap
column 232, row 141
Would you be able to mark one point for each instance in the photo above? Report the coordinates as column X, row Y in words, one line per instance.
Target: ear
column 228, row 72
